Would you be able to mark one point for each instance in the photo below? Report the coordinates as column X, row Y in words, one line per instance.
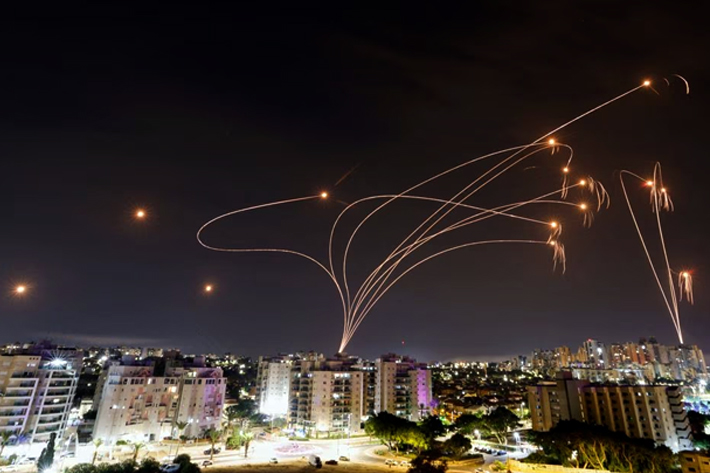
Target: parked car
column 273, row 460
column 207, row 463
column 169, row 467
column 343, row 458
column 212, row 451
column 331, row 462
column 314, row 460
column 405, row 463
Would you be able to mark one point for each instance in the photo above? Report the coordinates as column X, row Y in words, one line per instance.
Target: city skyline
column 119, row 148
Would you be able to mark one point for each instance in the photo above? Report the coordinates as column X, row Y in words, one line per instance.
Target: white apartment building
column 135, row 404
column 402, row 387
column 336, row 395
column 273, row 385
column 37, row 388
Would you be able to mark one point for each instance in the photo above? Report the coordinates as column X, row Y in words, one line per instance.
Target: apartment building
column 403, row 387
column 137, row 402
column 336, row 395
column 639, row 411
column 37, row 388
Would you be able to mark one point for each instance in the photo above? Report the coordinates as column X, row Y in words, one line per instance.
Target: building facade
column 37, row 388
column 639, row 411
column 335, row 396
column 403, row 387
column 135, row 403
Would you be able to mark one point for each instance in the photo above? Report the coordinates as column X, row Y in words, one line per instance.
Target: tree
column 97, row 444
column 499, row 422
column 5, row 439
column 580, row 445
column 181, row 426
column 213, row 436
column 468, row 424
column 432, row 427
column 46, row 458
column 458, row 445
column 388, row 429
column 137, row 446
column 426, row 465
column 248, row 437
column 148, row 465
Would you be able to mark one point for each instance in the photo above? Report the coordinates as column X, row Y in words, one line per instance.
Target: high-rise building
column 273, row 384
column 336, row 395
column 639, row 411
column 595, row 352
column 402, row 387
column 137, row 403
column 37, row 388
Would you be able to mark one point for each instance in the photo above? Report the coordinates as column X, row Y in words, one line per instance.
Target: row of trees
column 400, row 434
column 579, row 445
column 148, row 465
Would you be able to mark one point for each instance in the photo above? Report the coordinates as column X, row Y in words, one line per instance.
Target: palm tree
column 97, row 444
column 247, row 436
column 213, row 435
column 5, row 438
column 181, row 426
column 137, row 446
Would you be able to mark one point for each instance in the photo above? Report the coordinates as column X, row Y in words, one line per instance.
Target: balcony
column 24, row 376
column 19, row 394
column 12, row 414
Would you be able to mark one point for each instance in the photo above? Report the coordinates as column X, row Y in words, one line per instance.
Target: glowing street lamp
column 209, row 288
column 20, row 289
column 140, row 214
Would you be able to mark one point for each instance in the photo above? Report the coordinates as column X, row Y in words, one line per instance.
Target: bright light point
column 646, row 83
column 323, row 195
column 551, row 141
column 553, row 242
column 565, row 169
column 20, row 289
column 553, row 224
column 208, row 288
column 663, row 189
column 583, row 206
column 140, row 213
column 649, row 183
column 685, row 274
column 582, row 182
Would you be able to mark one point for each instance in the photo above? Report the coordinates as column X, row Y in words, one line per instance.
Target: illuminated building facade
column 639, row 411
column 37, row 388
column 136, row 404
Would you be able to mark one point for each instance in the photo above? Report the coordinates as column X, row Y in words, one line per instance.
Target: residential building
column 639, row 411
column 402, row 387
column 37, row 387
column 694, row 462
column 336, row 395
column 595, row 352
column 137, row 402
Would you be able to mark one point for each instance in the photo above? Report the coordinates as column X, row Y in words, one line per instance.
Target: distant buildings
column 145, row 401
column 648, row 411
column 645, row 361
column 694, row 462
column 319, row 395
column 37, row 387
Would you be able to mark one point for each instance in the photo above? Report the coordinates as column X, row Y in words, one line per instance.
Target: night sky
column 190, row 113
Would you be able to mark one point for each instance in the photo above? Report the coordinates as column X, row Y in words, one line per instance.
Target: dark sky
column 193, row 112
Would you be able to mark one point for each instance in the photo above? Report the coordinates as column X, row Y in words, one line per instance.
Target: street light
column 20, row 289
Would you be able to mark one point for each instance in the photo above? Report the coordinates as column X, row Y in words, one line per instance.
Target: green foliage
column 498, row 423
column 148, row 465
column 422, row 464
column 388, row 429
column 46, row 458
column 432, row 427
column 698, row 422
column 457, row 446
column 580, row 445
